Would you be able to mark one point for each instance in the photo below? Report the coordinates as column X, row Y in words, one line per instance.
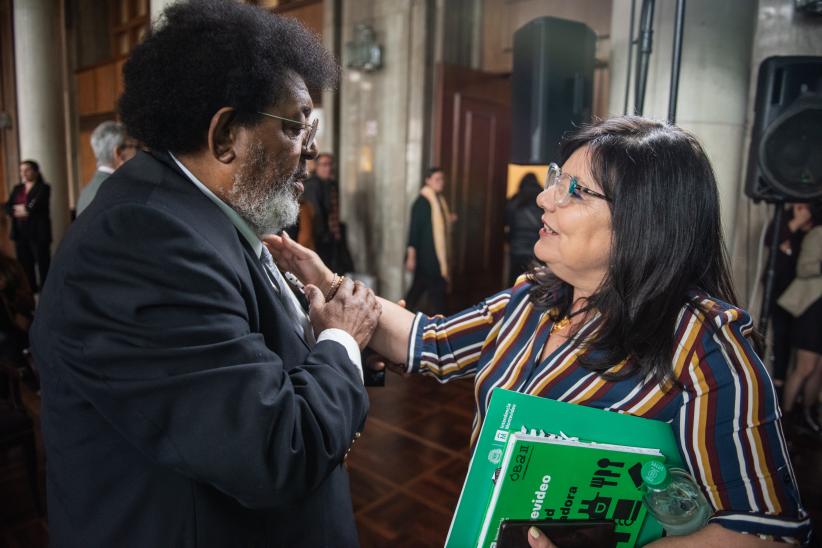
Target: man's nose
column 310, row 152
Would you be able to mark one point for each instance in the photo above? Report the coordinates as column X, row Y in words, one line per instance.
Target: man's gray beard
column 267, row 207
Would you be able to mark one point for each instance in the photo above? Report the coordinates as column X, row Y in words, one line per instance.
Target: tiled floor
column 406, row 470
column 408, row 467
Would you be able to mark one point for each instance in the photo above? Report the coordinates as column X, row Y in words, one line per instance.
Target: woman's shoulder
column 707, row 309
column 709, row 326
column 522, row 287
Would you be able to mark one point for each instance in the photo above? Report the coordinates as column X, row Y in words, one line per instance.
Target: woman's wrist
column 328, row 278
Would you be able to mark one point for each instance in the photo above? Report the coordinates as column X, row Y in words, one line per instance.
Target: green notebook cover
column 509, row 412
column 564, row 479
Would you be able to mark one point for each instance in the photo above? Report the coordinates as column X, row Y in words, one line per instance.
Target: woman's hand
column 537, row 539
column 299, row 260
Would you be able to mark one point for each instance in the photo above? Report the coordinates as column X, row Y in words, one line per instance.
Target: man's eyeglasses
column 308, row 139
column 565, row 186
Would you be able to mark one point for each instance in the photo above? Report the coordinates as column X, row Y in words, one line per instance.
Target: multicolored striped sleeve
column 730, row 434
column 449, row 348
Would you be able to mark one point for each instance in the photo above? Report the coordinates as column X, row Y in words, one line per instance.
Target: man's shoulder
column 148, row 190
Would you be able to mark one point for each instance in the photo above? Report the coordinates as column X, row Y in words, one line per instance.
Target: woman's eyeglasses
column 566, row 186
column 308, row 139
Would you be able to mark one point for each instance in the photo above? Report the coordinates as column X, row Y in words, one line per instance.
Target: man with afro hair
column 188, row 399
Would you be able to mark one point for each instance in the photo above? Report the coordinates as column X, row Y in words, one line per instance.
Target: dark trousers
column 30, row 253
column 781, row 337
column 427, row 295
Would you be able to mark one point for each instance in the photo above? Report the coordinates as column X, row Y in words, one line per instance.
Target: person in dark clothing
column 16, row 311
column 188, row 397
column 803, row 301
column 796, row 221
column 28, row 206
column 428, row 242
column 322, row 196
column 523, row 219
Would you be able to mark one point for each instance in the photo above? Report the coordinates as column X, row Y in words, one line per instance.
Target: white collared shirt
column 333, row 334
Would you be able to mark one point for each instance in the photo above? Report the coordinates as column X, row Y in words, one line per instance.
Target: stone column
column 40, row 103
column 713, row 84
column 381, row 137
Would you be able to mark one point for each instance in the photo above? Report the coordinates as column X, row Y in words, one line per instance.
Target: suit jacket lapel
column 266, row 297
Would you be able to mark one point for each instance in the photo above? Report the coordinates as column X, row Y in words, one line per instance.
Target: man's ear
column 222, row 135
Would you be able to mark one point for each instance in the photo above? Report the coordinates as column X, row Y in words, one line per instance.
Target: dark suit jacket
column 37, row 228
column 180, row 406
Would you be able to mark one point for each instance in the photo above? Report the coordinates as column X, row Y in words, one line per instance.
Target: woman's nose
column 545, row 199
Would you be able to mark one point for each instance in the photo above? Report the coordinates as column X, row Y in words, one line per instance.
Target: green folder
column 511, row 412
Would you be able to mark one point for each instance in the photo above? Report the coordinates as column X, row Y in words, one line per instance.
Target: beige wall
column 713, row 85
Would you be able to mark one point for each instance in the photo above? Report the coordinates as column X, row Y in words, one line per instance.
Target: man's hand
column 354, row 309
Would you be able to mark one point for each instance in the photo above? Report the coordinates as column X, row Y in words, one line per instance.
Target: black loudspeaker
column 552, row 86
column 785, row 160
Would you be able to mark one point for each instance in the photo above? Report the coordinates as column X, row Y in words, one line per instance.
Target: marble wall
column 383, row 123
column 713, row 85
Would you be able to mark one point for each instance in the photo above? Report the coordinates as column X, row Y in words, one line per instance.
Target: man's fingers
column 401, row 303
column 273, row 240
column 346, row 288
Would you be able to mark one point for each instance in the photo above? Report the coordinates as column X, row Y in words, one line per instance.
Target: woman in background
column 522, row 222
column 28, row 207
column 803, row 299
column 633, row 313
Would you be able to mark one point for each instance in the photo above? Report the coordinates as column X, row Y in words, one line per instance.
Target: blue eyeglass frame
column 572, row 188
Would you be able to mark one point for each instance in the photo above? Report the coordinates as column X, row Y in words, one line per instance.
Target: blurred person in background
column 803, row 300
column 522, row 224
column 112, row 148
column 16, row 311
column 28, row 207
column 322, row 210
column 429, row 246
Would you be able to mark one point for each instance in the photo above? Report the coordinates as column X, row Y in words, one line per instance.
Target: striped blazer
column 726, row 419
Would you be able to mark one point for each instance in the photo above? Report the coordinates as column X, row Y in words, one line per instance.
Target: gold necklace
column 561, row 324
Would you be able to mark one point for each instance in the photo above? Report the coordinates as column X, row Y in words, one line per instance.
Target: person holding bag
column 803, row 300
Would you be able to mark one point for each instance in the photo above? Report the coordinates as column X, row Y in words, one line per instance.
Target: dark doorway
column 472, row 135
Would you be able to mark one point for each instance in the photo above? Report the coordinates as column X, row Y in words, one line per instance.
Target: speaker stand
column 771, row 271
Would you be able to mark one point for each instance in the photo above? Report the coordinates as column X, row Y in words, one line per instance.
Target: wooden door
column 472, row 143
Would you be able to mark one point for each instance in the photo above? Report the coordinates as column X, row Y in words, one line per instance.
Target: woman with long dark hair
column 28, row 207
column 522, row 223
column 634, row 313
